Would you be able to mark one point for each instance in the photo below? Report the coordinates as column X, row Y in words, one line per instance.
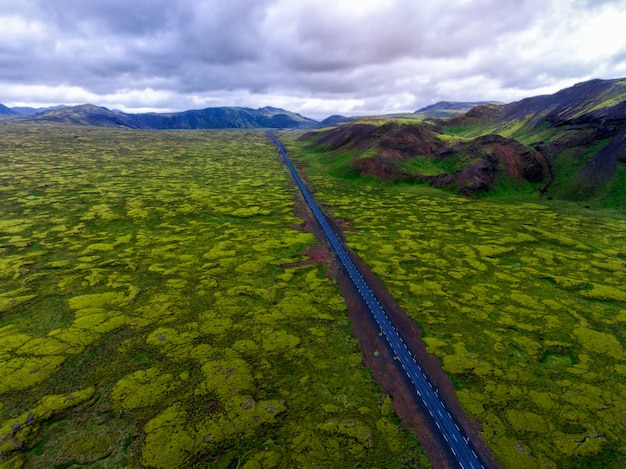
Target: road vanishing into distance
column 460, row 449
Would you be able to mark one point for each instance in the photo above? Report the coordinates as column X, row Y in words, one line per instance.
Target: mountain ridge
column 444, row 109
column 208, row 118
column 590, row 99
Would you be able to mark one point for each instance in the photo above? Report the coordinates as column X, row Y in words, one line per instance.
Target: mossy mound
column 97, row 300
column 83, row 449
column 142, row 388
column 23, row 372
column 604, row 292
column 16, row 432
column 10, row 300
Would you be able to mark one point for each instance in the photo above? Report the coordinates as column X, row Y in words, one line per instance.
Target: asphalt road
column 460, row 448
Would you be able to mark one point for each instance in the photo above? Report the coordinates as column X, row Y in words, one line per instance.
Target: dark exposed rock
column 479, row 176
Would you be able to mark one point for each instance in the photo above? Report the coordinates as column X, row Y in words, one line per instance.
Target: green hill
column 569, row 145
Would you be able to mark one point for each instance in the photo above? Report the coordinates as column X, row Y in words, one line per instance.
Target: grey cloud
column 324, row 42
column 222, row 33
column 95, row 17
column 100, row 40
column 203, row 49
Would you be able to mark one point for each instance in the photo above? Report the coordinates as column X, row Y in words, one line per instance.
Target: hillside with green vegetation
column 524, row 305
column 158, row 309
column 569, row 146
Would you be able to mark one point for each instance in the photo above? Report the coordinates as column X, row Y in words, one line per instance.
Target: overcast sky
column 316, row 57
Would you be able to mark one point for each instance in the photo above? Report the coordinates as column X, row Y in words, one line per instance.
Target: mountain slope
column 210, row 118
column 225, row 117
column 85, row 114
column 581, row 103
column 581, row 131
column 6, row 111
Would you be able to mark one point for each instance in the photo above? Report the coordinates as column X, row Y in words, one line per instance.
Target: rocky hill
column 418, row 152
column 570, row 145
column 580, row 131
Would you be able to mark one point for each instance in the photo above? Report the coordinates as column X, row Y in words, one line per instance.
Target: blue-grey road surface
column 460, row 449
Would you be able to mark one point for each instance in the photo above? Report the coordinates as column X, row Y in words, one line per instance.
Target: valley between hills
column 164, row 302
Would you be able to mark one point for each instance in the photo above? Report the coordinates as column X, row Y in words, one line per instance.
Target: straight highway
column 459, row 445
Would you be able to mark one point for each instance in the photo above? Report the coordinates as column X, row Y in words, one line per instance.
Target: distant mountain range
column 210, row 118
column 23, row 111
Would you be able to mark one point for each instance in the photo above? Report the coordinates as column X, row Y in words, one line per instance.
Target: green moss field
column 147, row 318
